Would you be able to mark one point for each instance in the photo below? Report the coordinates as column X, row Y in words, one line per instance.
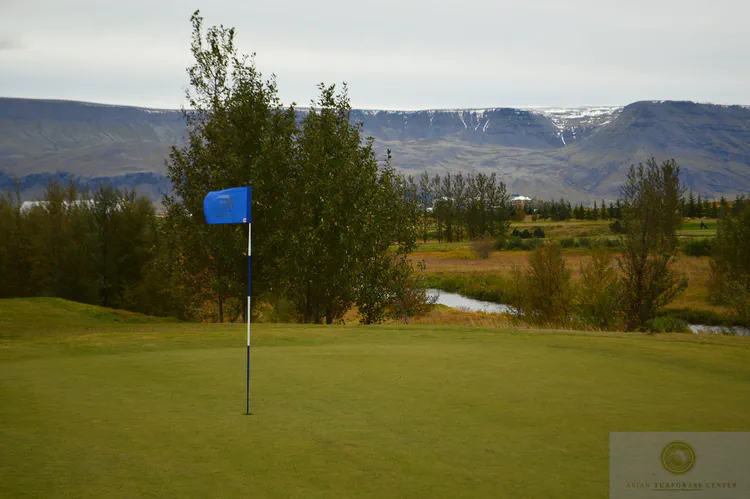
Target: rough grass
column 108, row 408
column 501, row 263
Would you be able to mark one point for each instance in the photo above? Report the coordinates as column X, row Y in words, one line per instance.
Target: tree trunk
column 308, row 306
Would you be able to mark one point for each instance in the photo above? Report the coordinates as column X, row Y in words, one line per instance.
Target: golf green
column 97, row 403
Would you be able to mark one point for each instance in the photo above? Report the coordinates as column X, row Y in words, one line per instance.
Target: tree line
column 101, row 247
column 455, row 207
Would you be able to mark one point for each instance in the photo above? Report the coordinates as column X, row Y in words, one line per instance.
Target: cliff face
column 580, row 153
column 540, row 129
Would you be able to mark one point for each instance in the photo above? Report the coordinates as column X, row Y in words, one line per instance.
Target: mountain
column 580, row 153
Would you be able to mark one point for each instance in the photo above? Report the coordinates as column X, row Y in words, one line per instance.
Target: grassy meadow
column 100, row 403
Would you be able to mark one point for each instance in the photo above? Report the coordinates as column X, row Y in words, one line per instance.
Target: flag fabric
column 230, row 206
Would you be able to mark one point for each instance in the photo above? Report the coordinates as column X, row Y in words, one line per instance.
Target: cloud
column 393, row 53
column 8, row 44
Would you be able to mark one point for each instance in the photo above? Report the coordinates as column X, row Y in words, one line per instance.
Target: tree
column 14, row 247
column 447, row 205
column 425, row 199
column 324, row 211
column 723, row 206
column 543, row 292
column 237, row 135
column 459, row 202
column 706, row 211
column 730, row 262
column 690, row 207
column 651, row 200
column 349, row 211
column 738, row 205
column 123, row 238
column 437, row 206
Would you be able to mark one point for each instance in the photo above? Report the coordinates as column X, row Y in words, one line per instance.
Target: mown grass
column 156, row 408
column 692, row 228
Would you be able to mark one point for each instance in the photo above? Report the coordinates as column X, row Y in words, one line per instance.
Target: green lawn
column 100, row 404
column 692, row 228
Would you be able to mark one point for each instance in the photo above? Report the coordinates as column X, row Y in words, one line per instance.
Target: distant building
column 519, row 202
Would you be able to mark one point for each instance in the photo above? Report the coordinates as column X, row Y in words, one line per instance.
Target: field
column 98, row 403
column 457, row 258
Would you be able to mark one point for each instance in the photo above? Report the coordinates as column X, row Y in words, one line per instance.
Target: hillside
column 579, row 153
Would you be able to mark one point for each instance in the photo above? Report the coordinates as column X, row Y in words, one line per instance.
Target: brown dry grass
column 500, row 262
column 696, row 269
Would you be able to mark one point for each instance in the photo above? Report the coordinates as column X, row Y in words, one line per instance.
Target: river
column 460, row 302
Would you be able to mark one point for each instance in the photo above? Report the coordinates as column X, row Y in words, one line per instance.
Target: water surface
column 460, row 302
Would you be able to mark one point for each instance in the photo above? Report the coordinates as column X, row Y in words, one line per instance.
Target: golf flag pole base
column 233, row 206
column 249, row 315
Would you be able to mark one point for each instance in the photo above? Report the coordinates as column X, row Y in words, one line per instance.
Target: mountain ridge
column 581, row 153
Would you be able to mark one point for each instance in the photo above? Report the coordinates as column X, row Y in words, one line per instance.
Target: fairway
column 101, row 404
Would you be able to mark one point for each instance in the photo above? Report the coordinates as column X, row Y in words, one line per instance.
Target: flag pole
column 249, row 315
column 234, row 206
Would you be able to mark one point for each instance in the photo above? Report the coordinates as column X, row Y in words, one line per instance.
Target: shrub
column 610, row 242
column 530, row 244
column 698, row 247
column 515, row 233
column 600, row 291
column 585, row 242
column 534, row 217
column 482, row 246
column 538, row 232
column 500, row 242
column 667, row 324
column 543, row 293
column 567, row 242
column 616, row 227
column 519, row 216
column 525, row 234
column 513, row 243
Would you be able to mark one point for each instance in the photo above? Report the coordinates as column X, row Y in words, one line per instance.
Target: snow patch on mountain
column 570, row 119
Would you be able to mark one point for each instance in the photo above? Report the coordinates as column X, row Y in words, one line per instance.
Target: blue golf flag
column 230, row 206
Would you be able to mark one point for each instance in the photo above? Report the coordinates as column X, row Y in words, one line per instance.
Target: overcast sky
column 394, row 54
